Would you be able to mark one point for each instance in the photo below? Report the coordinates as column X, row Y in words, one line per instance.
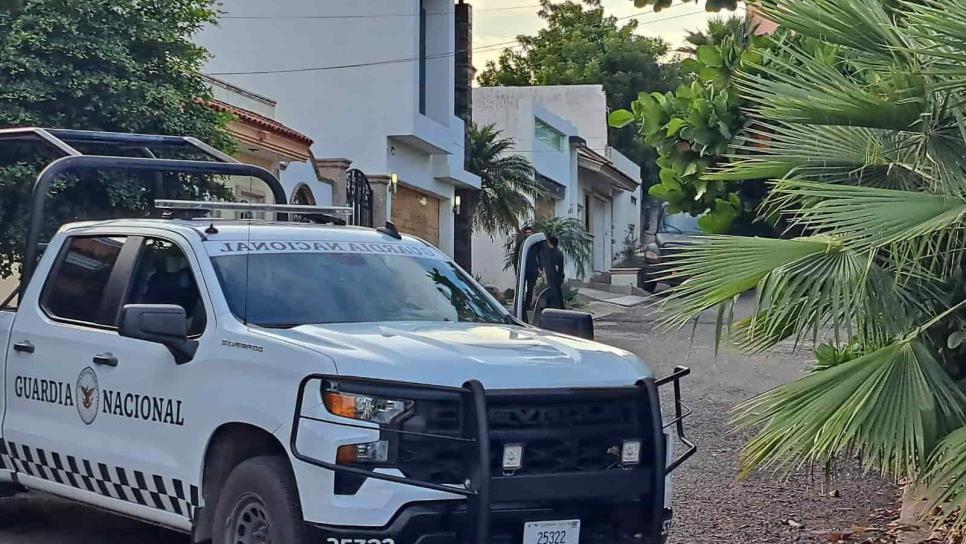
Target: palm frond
column 834, row 154
column 793, row 88
column 940, row 39
column 863, row 26
column 889, row 407
column 718, row 268
column 946, row 480
column 869, row 217
column 838, row 292
column 921, row 233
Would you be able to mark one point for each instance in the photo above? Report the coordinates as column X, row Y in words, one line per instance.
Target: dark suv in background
column 663, row 234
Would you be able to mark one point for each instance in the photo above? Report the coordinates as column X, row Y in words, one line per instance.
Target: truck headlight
column 365, row 407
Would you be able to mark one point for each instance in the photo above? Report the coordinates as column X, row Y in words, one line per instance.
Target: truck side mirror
column 579, row 324
column 165, row 324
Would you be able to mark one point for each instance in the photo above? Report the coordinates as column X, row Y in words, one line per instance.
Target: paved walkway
column 618, row 299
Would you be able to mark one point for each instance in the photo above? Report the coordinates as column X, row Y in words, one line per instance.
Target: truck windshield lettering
column 305, row 246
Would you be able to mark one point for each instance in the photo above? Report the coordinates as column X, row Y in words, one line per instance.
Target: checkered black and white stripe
column 168, row 494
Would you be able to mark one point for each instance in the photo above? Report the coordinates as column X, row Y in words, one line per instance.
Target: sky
column 499, row 21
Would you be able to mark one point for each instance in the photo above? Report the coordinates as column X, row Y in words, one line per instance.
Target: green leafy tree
column 116, row 65
column 581, row 45
column 865, row 155
column 693, row 128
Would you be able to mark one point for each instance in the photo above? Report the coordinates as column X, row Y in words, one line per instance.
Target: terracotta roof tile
column 260, row 121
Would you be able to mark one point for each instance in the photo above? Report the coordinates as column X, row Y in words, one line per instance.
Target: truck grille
column 560, row 433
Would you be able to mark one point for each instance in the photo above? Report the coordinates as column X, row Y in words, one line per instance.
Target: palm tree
column 575, row 242
column 507, row 191
column 740, row 30
column 509, row 186
column 864, row 142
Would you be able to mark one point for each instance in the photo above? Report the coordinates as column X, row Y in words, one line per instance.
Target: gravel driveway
column 711, row 506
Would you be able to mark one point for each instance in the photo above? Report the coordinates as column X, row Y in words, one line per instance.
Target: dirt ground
column 711, row 506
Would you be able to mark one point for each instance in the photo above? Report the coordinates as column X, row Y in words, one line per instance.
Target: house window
column 550, row 136
column 422, row 57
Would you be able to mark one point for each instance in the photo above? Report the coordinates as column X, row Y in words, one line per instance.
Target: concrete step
column 615, row 299
column 616, row 289
column 600, row 277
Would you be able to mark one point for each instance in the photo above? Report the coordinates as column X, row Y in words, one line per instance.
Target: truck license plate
column 552, row 532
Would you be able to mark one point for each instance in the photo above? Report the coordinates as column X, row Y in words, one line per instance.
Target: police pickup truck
column 300, row 380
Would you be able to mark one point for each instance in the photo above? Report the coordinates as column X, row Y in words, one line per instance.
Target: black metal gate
column 358, row 195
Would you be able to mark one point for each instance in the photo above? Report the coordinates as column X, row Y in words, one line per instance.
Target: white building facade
column 563, row 131
column 372, row 83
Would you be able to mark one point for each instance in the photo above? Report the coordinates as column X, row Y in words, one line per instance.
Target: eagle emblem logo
column 89, row 395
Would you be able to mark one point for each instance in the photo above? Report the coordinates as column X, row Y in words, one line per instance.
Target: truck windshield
column 283, row 290
column 682, row 223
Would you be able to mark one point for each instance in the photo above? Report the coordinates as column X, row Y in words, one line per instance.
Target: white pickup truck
column 253, row 382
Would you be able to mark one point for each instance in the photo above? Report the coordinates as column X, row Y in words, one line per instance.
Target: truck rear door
column 50, row 385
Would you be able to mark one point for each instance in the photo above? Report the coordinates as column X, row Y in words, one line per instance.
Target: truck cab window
column 163, row 276
column 75, row 291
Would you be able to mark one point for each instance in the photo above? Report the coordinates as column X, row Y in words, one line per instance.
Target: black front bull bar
column 481, row 488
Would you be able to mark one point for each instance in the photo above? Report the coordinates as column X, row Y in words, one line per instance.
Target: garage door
column 417, row 214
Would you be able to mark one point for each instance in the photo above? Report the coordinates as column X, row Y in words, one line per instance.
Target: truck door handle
column 105, row 359
column 24, row 347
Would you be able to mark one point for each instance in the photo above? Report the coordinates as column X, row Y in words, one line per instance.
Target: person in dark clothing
column 554, row 271
column 533, row 267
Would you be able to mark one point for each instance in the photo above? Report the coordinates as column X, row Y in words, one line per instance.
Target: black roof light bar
column 64, row 141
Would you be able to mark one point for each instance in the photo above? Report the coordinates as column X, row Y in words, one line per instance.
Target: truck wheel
column 259, row 504
column 644, row 281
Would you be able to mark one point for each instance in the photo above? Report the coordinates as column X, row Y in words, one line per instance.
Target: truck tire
column 259, row 504
column 644, row 281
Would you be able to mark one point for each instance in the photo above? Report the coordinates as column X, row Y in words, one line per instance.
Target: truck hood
column 669, row 239
column 450, row 354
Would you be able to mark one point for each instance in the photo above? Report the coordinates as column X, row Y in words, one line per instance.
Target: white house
column 372, row 83
column 563, row 131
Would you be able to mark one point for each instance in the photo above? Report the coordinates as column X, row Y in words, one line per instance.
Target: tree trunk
column 463, row 230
